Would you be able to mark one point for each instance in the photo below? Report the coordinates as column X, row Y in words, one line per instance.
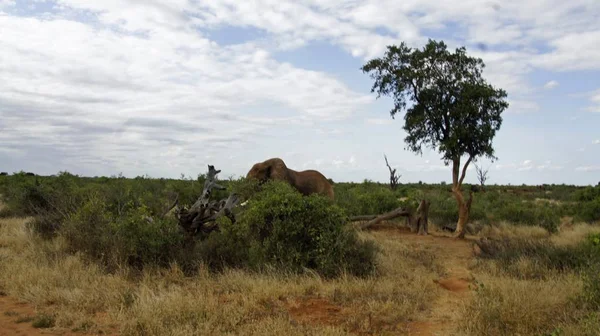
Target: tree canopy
column 453, row 110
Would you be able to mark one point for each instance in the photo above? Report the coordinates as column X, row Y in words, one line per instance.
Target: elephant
column 306, row 182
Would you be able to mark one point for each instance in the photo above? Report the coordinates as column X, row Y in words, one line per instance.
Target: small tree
column 454, row 110
column 482, row 175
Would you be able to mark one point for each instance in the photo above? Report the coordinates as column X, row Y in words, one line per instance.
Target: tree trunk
column 464, row 210
column 464, row 207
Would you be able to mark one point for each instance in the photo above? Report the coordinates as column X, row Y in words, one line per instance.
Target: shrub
column 589, row 211
column 130, row 239
column 546, row 216
column 366, row 199
column 283, row 229
column 587, row 194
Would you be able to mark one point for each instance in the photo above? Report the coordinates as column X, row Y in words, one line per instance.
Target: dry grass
column 507, row 230
column 507, row 306
column 525, row 297
column 83, row 297
column 574, row 234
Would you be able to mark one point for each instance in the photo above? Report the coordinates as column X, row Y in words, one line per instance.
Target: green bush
column 285, row 230
column 130, row 239
column 589, row 211
column 587, row 194
column 367, row 198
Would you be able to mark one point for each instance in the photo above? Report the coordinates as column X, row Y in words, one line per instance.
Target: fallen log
column 386, row 216
column 416, row 220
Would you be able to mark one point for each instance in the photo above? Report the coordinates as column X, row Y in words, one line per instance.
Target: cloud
column 7, row 3
column 595, row 100
column 596, row 142
column 548, row 165
column 379, row 121
column 528, row 165
column 575, row 51
column 525, row 165
column 172, row 91
column 551, row 85
column 522, row 106
column 588, row 168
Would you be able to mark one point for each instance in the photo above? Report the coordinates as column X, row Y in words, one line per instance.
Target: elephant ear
column 278, row 171
column 268, row 171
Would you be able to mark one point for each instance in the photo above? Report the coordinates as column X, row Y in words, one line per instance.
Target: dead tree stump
column 200, row 217
column 421, row 219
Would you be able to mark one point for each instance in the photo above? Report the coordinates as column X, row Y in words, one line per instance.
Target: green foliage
column 283, row 229
column 587, row 194
column 367, row 198
column 543, row 215
column 105, row 217
column 590, row 211
column 453, row 108
column 130, row 239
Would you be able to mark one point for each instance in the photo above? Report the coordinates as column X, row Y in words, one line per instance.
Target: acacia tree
column 453, row 110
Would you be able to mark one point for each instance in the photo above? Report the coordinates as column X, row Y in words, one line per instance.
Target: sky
column 164, row 88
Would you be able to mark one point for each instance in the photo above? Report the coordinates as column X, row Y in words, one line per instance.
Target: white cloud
column 528, row 165
column 596, row 142
column 576, row 51
column 547, row 165
column 595, row 100
column 522, row 106
column 379, row 121
column 551, row 85
column 505, row 166
column 588, row 168
column 7, row 3
column 99, row 94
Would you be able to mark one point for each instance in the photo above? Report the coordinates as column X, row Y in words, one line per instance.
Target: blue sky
column 166, row 87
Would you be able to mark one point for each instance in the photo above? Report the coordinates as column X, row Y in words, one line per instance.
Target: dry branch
column 393, row 177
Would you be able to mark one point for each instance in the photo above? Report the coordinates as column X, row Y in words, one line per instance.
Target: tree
column 393, row 177
column 482, row 175
column 454, row 110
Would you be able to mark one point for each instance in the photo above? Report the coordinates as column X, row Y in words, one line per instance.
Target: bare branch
column 482, row 175
column 393, row 177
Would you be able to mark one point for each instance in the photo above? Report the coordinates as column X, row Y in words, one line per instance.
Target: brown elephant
column 306, row 182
